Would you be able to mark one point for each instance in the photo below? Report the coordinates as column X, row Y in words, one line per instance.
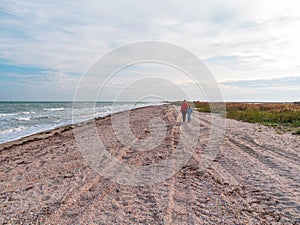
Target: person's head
column 184, row 100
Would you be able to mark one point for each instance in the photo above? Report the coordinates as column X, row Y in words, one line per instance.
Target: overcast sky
column 251, row 47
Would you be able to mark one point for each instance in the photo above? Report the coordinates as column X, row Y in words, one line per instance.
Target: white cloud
column 45, row 79
column 261, row 37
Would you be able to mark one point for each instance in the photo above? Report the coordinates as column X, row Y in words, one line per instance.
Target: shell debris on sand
column 254, row 179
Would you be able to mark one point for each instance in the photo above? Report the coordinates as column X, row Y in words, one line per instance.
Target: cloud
column 285, row 89
column 46, row 79
column 265, row 83
column 238, row 40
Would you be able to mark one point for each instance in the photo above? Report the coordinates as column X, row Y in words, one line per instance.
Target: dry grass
column 284, row 116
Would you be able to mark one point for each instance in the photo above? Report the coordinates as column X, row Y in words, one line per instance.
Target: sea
column 20, row 119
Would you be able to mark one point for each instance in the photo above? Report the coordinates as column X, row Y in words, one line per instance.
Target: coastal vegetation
column 283, row 116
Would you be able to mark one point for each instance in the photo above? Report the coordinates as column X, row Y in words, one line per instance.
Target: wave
column 54, row 109
column 12, row 130
column 23, row 118
column 8, row 114
column 50, row 119
column 15, row 114
column 41, row 117
column 26, row 113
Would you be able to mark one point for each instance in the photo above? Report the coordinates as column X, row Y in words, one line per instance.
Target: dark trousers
column 183, row 116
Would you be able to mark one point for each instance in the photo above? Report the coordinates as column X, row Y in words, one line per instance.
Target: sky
column 251, row 48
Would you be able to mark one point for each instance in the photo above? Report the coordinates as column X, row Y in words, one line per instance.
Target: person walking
column 189, row 112
column 183, row 110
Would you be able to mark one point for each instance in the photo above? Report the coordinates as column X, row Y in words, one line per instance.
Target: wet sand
column 254, row 179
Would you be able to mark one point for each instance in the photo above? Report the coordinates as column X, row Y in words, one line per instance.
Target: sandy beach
column 254, row 178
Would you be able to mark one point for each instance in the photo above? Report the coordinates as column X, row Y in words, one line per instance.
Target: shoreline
column 61, row 128
column 279, row 129
column 45, row 179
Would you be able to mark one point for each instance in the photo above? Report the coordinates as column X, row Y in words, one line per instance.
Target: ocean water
column 19, row 119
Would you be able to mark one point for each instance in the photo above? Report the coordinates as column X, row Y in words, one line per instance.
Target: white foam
column 26, row 113
column 11, row 130
column 8, row 114
column 23, row 118
column 15, row 114
column 54, row 109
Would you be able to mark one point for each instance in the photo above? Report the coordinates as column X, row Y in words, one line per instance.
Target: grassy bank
column 284, row 116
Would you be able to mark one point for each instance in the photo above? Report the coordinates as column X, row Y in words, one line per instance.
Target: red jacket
column 184, row 107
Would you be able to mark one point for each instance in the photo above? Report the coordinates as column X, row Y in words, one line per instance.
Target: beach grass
column 284, row 116
column 297, row 132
